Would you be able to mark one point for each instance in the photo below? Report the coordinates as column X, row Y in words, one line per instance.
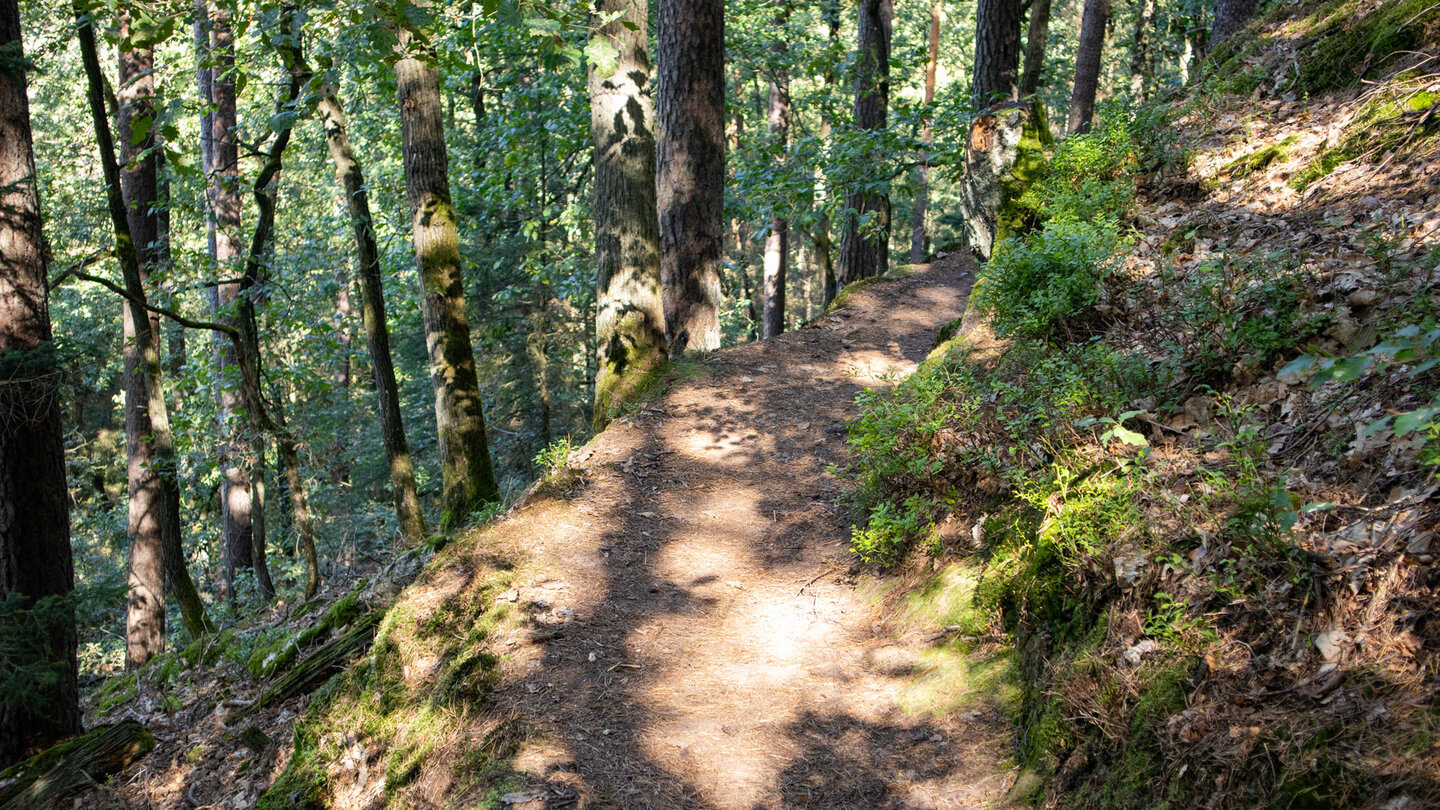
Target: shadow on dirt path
column 695, row 638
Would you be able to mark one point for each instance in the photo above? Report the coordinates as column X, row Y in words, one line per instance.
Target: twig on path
column 816, row 578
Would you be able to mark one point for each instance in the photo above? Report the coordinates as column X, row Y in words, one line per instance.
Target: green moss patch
column 1396, row 119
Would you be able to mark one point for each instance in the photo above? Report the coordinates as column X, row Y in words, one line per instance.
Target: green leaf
column 1128, row 415
column 1418, row 419
column 1298, row 365
column 1317, row 506
column 1346, row 370
column 602, row 55
column 1129, row 437
column 1373, row 427
column 140, row 129
column 630, row 25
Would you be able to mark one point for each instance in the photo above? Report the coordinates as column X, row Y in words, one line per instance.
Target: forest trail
column 695, row 637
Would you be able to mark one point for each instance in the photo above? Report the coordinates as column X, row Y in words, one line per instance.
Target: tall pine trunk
column 997, row 52
column 691, row 169
column 468, row 479
column 922, row 195
column 1087, row 65
column 864, row 255
column 35, row 562
column 777, row 243
column 1036, row 38
column 629, row 309
column 348, row 170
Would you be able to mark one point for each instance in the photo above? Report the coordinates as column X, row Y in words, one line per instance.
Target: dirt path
column 696, row 639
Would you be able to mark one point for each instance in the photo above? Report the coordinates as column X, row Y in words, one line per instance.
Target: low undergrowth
column 404, row 709
column 1205, row 610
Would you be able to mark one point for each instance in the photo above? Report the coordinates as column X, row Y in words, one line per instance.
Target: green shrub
column 1090, row 178
column 1047, row 285
column 1248, row 312
column 892, row 530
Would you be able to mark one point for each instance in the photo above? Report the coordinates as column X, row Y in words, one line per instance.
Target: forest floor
column 708, row 645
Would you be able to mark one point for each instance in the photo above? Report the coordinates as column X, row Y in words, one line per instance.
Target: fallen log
column 59, row 773
column 315, row 669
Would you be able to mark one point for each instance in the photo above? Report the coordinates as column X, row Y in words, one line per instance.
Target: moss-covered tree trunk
column 629, row 310
column 468, row 479
column 408, row 514
column 35, row 562
column 866, row 253
column 51, row 777
column 691, row 170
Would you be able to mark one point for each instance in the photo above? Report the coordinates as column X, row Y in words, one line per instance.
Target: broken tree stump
column 1004, row 154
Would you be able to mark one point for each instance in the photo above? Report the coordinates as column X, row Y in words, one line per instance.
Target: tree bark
column 372, row 309
column 236, row 455
column 1142, row 53
column 861, row 255
column 1087, row 65
column 629, row 310
column 145, row 604
column 922, row 194
column 35, row 561
column 1036, row 38
column 997, row 52
column 468, row 479
column 777, row 243
column 1231, row 16
column 691, row 169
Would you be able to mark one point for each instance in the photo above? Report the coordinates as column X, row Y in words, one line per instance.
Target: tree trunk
column 300, row 509
column 344, row 316
column 1142, row 53
column 922, row 195
column 821, row 239
column 997, row 52
column 468, row 479
column 777, row 243
column 236, row 455
column 1087, row 65
column 691, row 169
column 1036, row 38
column 35, row 562
column 372, row 309
column 145, row 604
column 1231, row 16
column 862, row 255
column 629, row 312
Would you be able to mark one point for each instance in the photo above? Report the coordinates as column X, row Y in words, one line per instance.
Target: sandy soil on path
column 696, row 639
